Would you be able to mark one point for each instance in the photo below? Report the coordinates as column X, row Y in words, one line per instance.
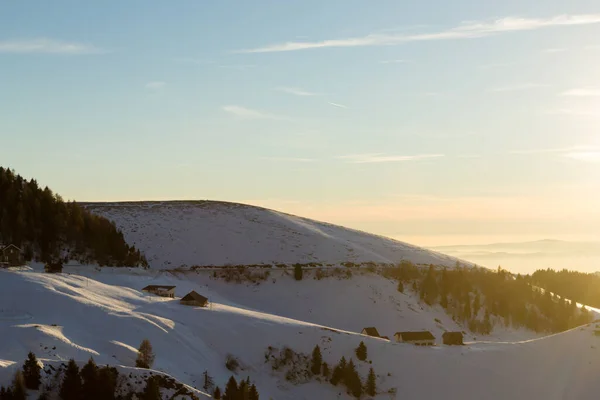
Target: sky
column 432, row 122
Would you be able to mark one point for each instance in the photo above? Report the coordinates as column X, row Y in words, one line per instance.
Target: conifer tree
column 217, row 393
column 89, row 376
column 107, row 383
column 325, row 372
column 243, row 390
column 32, row 372
column 71, row 384
column 444, row 300
column 208, row 381
column 467, row 310
column 253, row 393
column 476, row 304
column 152, row 389
column 361, row 351
column 352, row 380
column 145, row 357
column 338, row 373
column 19, row 390
column 231, row 389
column 371, row 386
column 316, row 361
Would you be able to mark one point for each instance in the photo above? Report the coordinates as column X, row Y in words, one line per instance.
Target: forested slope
column 48, row 228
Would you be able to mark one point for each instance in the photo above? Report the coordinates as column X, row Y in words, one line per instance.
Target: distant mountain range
column 547, row 253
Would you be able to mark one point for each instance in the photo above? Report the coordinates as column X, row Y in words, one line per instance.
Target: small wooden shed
column 370, row 331
column 194, row 299
column 421, row 338
column 453, row 338
column 11, row 256
column 160, row 290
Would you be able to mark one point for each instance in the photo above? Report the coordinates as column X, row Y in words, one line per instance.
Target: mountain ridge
column 187, row 233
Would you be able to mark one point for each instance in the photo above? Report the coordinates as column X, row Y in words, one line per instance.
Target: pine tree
column 487, row 325
column 476, row 304
column 107, row 383
column 467, row 310
column 371, row 387
column 243, row 390
column 89, row 375
column 352, row 380
column 298, row 272
column 400, row 287
column 2, row 393
column 253, row 394
column 208, row 381
column 19, row 390
column 145, row 357
column 361, row 351
column 231, row 389
column 71, row 384
column 444, row 300
column 325, row 372
column 32, row 372
column 217, row 393
column 337, row 375
column 152, row 389
column 316, row 361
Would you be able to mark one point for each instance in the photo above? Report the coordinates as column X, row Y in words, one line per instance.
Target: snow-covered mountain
column 102, row 313
column 188, row 233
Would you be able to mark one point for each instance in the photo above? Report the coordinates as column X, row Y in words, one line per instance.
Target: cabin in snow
column 10, row 256
column 371, row 331
column 422, row 338
column 160, row 290
column 194, row 299
column 453, row 338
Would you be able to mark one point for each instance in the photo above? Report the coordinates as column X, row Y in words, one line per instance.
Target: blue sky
column 433, row 122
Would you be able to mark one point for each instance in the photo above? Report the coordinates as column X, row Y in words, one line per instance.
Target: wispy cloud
column 289, row 159
column 470, row 156
column 496, row 65
column 466, row 30
column 585, row 156
column 155, row 85
column 338, row 105
column 382, row 158
column 394, row 62
column 240, row 67
column 519, row 87
column 570, row 149
column 583, row 92
column 582, row 111
column 297, row 91
column 189, row 60
column 554, row 50
column 46, row 46
column 247, row 113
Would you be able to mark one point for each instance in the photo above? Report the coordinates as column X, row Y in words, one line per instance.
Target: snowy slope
column 103, row 314
column 172, row 234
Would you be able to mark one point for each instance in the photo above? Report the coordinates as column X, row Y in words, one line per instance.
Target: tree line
column 479, row 298
column 44, row 226
column 581, row 287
